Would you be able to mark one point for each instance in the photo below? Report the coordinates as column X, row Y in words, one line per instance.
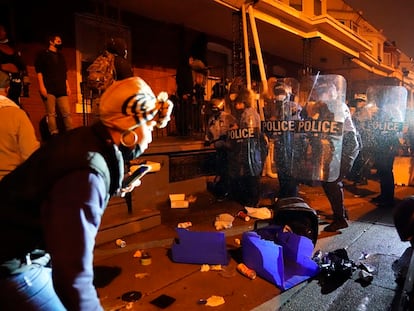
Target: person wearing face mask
column 247, row 150
column 53, row 203
column 50, row 66
column 329, row 98
column 279, row 108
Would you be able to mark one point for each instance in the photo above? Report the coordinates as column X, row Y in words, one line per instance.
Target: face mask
column 58, row 47
column 130, row 154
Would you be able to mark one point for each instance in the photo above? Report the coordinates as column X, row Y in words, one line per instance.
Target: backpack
column 101, row 73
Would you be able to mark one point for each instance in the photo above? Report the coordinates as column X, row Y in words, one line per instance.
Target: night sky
column 394, row 17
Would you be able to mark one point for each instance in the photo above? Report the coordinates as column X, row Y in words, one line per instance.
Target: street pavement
column 157, row 282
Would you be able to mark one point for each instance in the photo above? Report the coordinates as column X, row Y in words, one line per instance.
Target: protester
column 17, row 135
column 55, row 200
column 54, row 87
column 122, row 69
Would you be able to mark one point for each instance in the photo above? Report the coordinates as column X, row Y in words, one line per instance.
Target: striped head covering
column 128, row 103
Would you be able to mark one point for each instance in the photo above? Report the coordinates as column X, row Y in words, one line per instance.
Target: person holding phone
column 53, row 203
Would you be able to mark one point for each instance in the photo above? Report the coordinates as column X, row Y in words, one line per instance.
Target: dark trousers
column 246, row 190
column 335, row 190
column 335, row 193
column 288, row 186
column 384, row 164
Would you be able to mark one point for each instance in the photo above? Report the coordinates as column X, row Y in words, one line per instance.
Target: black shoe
column 382, row 201
column 333, row 217
column 336, row 225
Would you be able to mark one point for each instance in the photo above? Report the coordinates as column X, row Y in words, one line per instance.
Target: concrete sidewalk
column 371, row 233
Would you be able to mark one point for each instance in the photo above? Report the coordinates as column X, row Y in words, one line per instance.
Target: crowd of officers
column 320, row 140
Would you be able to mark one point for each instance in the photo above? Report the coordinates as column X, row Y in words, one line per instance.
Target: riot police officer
column 247, row 151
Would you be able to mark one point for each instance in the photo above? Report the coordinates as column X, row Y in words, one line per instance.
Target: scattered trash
column 191, row 198
column 336, row 268
column 246, row 271
column 178, row 200
column 163, row 301
column 146, row 259
column 144, row 256
column 363, row 256
column 224, row 221
column 184, row 225
column 205, row 268
column 215, row 301
column 365, row 277
column 138, row 254
column 131, row 296
column 336, row 263
column 243, row 216
column 259, row 212
column 141, row 275
column 121, row 243
column 366, row 267
column 202, row 301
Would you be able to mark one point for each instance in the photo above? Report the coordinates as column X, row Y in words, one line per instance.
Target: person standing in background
column 115, row 54
column 54, row 88
column 12, row 64
column 17, row 135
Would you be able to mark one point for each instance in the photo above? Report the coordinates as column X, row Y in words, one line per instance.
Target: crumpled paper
column 215, row 301
column 224, row 221
column 259, row 212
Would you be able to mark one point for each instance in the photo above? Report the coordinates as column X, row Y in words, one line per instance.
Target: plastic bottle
column 121, row 243
column 243, row 216
column 243, row 269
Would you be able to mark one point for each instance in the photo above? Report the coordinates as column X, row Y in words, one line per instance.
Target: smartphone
column 137, row 174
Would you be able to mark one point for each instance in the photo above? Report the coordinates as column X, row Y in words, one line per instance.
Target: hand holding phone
column 135, row 175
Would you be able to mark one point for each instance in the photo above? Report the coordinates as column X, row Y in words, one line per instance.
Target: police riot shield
column 318, row 134
column 382, row 118
column 245, row 145
column 281, row 111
